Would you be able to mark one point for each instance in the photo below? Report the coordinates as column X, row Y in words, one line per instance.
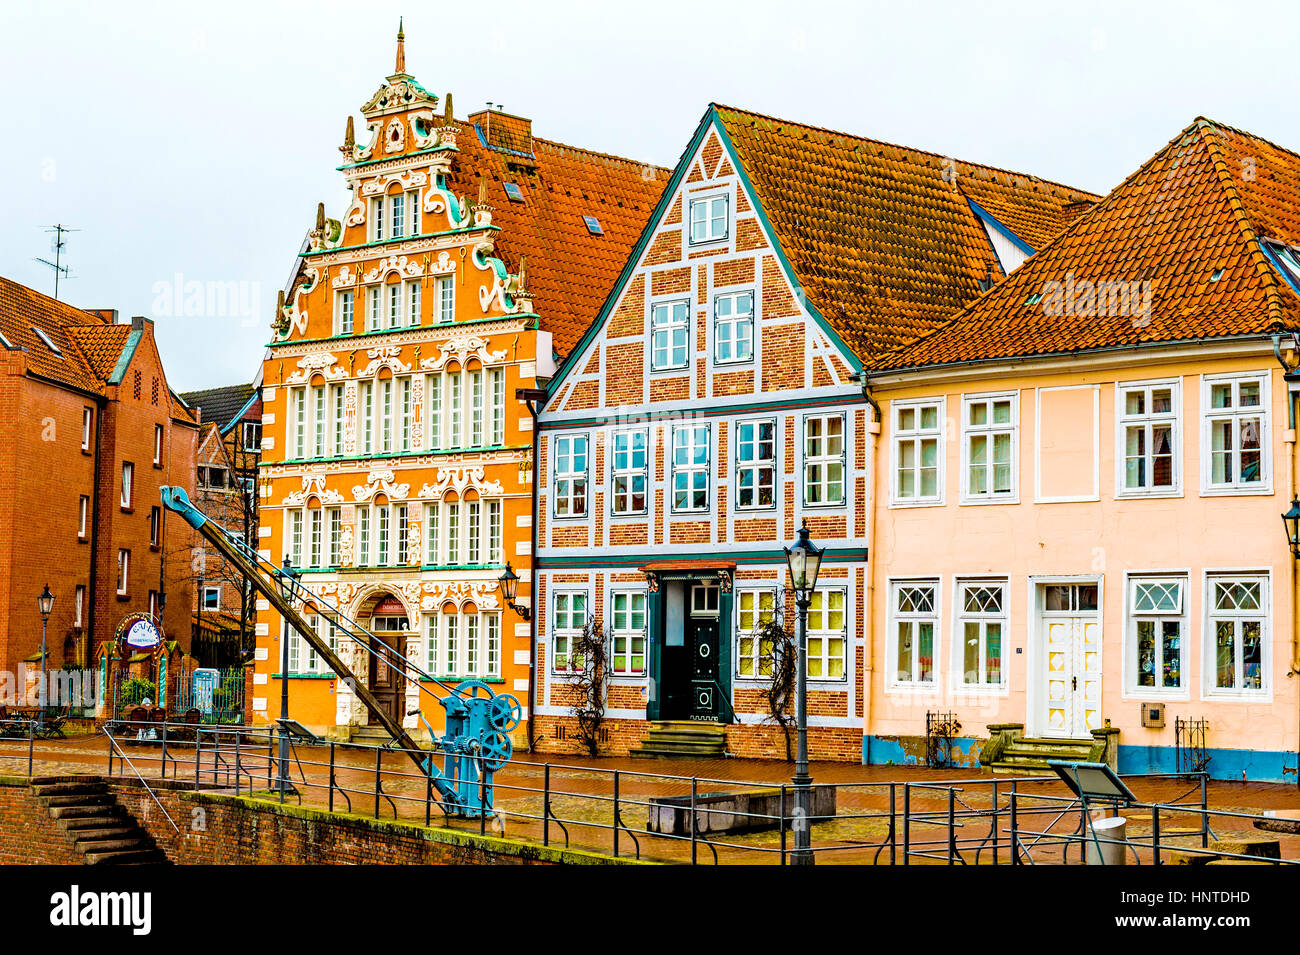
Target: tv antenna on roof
column 56, row 246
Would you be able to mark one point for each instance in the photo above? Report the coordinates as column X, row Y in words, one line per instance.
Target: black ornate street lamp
column 45, row 604
column 509, row 582
column 805, row 560
column 1291, row 522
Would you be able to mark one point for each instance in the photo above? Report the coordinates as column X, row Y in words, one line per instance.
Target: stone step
column 106, row 816
column 84, row 812
column 98, row 846
column 711, row 739
column 78, row 799
column 123, row 856
column 681, row 751
column 69, row 789
column 103, row 832
column 694, row 725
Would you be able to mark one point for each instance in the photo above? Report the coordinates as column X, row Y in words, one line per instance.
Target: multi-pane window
column 454, row 410
column 916, row 619
column 476, row 409
column 336, row 401
column 709, row 218
column 570, row 618
column 733, row 327
column 413, row 205
column 432, row 542
column 394, row 302
column 497, row 404
column 690, row 465
column 473, row 532
column 346, row 312
column 1238, row 629
column 1236, row 422
column 295, row 538
column 406, row 412
column 381, row 535
column 336, row 536
column 628, row 614
column 823, row 459
column 372, row 309
column 397, row 216
column 400, row 529
column 494, row 532
column 827, row 634
column 918, row 449
column 988, row 432
column 386, row 415
column 453, row 533
column 433, row 404
column 1157, row 619
column 128, row 484
column 446, row 300
column 320, row 418
column 755, row 464
column 1148, row 425
column 630, row 472
column 982, row 630
column 570, row 453
column 466, row 645
column 377, row 219
column 367, row 417
column 298, row 404
column 363, row 536
column 669, row 334
column 413, row 302
column 754, row 609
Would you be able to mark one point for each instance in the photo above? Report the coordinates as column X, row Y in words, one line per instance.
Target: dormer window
column 49, row 342
column 710, row 217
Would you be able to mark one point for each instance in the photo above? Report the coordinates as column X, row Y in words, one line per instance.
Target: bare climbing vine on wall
column 590, row 656
column 774, row 641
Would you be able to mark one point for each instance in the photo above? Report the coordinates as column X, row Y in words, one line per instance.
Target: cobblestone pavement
column 582, row 800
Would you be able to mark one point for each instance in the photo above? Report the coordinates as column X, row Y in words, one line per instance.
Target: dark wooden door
column 704, row 668
column 386, row 680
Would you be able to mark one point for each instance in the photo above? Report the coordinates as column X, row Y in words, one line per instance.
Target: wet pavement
column 582, row 797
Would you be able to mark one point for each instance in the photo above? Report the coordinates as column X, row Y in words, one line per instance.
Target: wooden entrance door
column 1071, row 632
column 386, row 680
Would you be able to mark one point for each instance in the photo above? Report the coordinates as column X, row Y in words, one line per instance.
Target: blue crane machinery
column 475, row 743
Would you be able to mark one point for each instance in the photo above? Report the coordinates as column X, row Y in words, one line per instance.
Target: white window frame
column 620, row 662
column 745, row 632
column 446, row 300
column 83, row 517
column 573, row 477
column 826, row 635
column 568, row 632
column 157, row 445
column 87, row 427
column 1210, row 416
column 915, row 436
column 807, row 461
column 990, row 429
column 123, row 572
column 961, row 616
column 213, row 591
column 737, row 322
column 495, row 394
column 374, row 305
column 894, row 617
column 1124, row 421
column 707, row 201
column 412, row 299
column 377, row 219
column 757, row 464
column 630, row 472
column 1209, row 656
column 692, row 468
column 1132, row 617
column 128, row 485
column 345, row 308
column 663, row 320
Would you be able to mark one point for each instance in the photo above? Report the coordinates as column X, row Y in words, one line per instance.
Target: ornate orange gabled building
column 397, row 461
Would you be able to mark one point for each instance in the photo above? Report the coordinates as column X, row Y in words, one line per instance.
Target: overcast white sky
column 196, row 139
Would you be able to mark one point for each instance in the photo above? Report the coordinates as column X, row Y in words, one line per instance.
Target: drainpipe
column 1288, row 359
column 533, row 409
column 874, row 428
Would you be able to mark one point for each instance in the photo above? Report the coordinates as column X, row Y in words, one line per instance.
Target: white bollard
column 1109, row 845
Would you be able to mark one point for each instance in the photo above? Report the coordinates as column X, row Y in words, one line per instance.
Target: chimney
column 504, row 131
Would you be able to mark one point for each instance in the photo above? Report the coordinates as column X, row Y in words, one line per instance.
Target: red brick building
column 91, row 431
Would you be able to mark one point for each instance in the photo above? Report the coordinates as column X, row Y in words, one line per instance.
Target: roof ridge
column 596, row 152
column 911, row 149
column 1215, row 124
column 1237, row 209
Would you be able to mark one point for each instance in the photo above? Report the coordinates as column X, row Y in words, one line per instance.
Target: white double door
column 1071, row 706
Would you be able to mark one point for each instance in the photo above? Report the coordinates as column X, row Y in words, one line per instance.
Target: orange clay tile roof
column 883, row 238
column 1188, row 221
column 570, row 270
column 101, row 345
column 23, row 309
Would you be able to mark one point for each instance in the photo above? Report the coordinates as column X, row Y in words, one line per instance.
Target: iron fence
column 687, row 819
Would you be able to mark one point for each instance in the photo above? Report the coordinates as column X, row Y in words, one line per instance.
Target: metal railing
column 672, row 818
